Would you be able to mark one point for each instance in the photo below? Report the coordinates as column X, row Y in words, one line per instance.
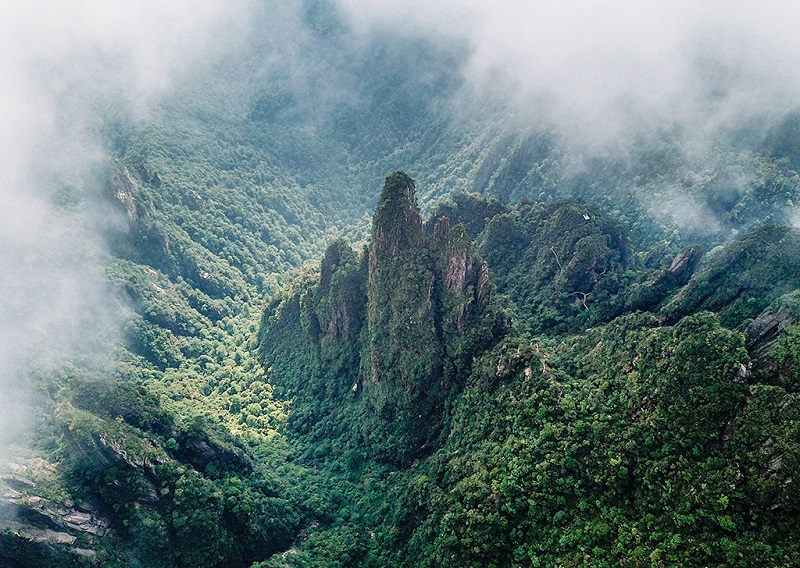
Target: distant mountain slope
column 532, row 360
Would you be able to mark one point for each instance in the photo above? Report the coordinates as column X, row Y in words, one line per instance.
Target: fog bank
column 62, row 65
column 600, row 71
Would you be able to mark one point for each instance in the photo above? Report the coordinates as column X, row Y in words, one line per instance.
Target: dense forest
column 401, row 328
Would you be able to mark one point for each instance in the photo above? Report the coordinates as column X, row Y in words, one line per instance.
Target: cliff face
column 340, row 296
column 428, row 313
column 395, row 331
column 404, row 349
column 396, row 225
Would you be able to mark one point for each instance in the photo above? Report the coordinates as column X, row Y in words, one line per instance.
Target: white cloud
column 598, row 69
column 58, row 61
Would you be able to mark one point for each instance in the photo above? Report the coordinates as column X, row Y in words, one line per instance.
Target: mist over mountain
column 332, row 283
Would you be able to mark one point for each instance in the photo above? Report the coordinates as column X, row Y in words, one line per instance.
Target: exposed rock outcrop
column 44, row 529
column 763, row 330
column 126, row 190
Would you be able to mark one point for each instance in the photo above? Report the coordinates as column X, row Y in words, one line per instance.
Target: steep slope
column 744, row 278
column 639, row 440
column 386, row 424
column 379, row 344
column 555, row 260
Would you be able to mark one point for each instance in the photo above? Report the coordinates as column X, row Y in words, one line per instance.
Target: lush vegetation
column 649, row 439
column 525, row 357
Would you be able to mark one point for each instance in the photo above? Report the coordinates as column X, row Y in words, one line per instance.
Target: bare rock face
column 684, row 264
column 80, row 518
column 340, row 324
column 458, row 272
column 45, row 528
column 484, row 289
column 459, row 265
column 125, row 190
column 441, row 230
column 765, row 328
column 771, row 341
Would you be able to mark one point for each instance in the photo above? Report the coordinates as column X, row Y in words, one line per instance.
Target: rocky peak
column 441, row 229
column 397, row 223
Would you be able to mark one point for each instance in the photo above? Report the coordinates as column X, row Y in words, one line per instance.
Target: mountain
column 632, row 435
column 519, row 352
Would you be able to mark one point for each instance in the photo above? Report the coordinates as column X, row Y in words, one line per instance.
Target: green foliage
column 561, row 263
column 372, row 349
column 470, row 209
column 614, row 450
column 403, row 358
column 387, row 427
column 772, row 339
column 744, row 278
column 190, row 497
column 630, row 442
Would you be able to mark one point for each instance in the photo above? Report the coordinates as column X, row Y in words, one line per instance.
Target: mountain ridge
column 607, row 373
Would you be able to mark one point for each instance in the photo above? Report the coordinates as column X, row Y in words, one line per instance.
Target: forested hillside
column 602, row 431
column 363, row 319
